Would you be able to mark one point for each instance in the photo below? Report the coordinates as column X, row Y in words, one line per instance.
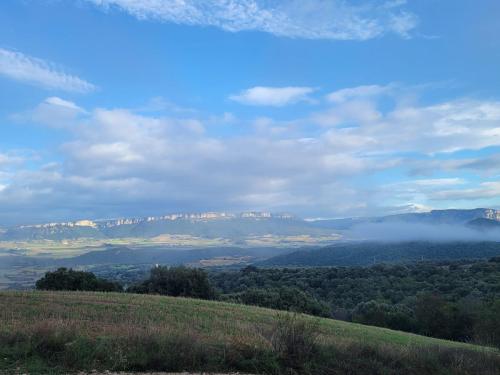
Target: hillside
column 70, row 331
column 484, row 224
column 369, row 253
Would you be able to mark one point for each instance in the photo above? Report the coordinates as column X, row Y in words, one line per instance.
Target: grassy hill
column 44, row 332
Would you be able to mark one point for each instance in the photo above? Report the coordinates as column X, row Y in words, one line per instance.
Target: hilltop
column 71, row 331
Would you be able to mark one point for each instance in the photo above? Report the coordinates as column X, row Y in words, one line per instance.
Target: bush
column 68, row 279
column 295, row 341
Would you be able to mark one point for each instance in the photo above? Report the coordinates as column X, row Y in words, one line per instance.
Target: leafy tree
column 68, row 279
column 374, row 313
column 440, row 318
column 487, row 326
column 284, row 298
column 176, row 281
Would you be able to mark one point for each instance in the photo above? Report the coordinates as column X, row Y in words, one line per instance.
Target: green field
column 71, row 331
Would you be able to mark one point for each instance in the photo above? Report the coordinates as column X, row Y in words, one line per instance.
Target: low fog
column 395, row 232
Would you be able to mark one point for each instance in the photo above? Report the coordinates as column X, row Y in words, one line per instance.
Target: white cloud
column 436, row 182
column 359, row 92
column 20, row 67
column 54, row 100
column 309, row 19
column 273, row 96
column 490, row 189
column 9, row 159
column 440, row 128
column 4, row 159
column 120, row 162
column 53, row 111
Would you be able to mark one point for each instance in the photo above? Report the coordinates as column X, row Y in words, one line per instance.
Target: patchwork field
column 73, row 331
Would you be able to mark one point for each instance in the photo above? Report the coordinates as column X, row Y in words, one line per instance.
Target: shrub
column 295, row 341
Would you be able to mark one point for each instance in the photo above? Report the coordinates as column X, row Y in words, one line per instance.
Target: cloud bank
column 334, row 162
column 308, row 19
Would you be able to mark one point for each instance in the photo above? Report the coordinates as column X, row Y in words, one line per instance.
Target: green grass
column 71, row 331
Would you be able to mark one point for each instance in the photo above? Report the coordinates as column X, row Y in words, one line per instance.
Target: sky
column 321, row 108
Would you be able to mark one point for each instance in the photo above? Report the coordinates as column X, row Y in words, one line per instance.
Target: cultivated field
column 81, row 331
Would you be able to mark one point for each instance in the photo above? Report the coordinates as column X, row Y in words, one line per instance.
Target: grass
column 61, row 332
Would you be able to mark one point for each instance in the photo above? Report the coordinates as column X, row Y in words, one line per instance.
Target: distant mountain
column 449, row 217
column 368, row 253
column 236, row 226
column 207, row 225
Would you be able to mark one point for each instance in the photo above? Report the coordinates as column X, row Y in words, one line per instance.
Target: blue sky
column 321, row 108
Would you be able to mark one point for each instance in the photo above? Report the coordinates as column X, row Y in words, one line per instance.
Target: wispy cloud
column 24, row 68
column 488, row 189
column 359, row 92
column 8, row 159
column 308, row 19
column 53, row 112
column 273, row 96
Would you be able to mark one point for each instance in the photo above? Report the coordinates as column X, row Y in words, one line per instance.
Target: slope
column 72, row 331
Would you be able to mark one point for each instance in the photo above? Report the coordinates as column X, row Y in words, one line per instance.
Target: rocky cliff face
column 492, row 214
column 180, row 223
column 195, row 217
column 202, row 216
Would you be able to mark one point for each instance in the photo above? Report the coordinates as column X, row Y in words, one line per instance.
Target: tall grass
column 65, row 332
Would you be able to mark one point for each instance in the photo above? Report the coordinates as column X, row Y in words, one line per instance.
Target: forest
column 458, row 300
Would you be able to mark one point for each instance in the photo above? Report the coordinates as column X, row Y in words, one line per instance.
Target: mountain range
column 241, row 225
column 207, row 225
column 487, row 216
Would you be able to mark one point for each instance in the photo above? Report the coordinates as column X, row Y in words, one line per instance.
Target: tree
column 284, row 298
column 487, row 327
column 176, row 281
column 384, row 315
column 68, row 279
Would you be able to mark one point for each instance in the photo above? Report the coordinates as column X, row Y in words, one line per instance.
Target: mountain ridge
column 237, row 225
